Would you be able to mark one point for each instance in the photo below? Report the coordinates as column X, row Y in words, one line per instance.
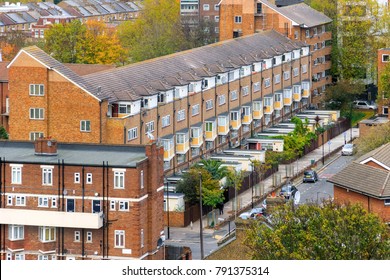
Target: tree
column 376, row 137
column 156, row 32
column 339, row 96
column 11, row 43
column 3, row 133
column 203, row 33
column 214, row 167
column 384, row 83
column 328, row 232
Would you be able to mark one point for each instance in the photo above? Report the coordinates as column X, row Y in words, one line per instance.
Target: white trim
column 119, row 169
column 15, row 250
column 79, row 197
column 47, row 166
column 16, row 165
column 160, row 188
column 73, row 82
column 377, row 162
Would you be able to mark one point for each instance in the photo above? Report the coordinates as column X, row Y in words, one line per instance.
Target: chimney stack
column 45, row 147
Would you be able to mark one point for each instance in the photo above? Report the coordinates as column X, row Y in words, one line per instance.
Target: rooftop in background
column 282, row 3
column 74, row 154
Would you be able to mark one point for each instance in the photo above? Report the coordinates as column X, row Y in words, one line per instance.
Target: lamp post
column 167, row 208
column 200, row 219
column 252, row 182
column 323, row 152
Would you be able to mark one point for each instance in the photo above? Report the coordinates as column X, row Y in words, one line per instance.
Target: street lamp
column 323, row 152
column 252, row 182
column 167, row 189
column 200, row 219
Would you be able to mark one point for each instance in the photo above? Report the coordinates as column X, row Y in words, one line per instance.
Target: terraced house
column 194, row 103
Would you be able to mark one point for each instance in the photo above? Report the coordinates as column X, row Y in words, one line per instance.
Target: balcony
column 211, row 130
column 196, row 139
column 223, row 125
column 297, row 96
column 305, row 93
column 51, row 218
column 257, row 114
column 278, row 105
column 182, row 143
column 169, row 151
column 247, row 119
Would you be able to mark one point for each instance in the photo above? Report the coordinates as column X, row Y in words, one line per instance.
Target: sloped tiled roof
column 381, row 154
column 86, row 69
column 364, row 179
column 301, row 14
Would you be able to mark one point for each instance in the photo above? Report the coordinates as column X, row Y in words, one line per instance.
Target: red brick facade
column 140, row 219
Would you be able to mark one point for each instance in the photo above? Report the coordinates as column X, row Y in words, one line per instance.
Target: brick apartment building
column 4, row 105
column 80, row 201
column 383, row 61
column 194, row 103
column 366, row 181
column 297, row 22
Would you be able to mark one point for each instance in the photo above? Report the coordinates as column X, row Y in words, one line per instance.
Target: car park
column 364, row 104
column 310, row 176
column 288, row 191
column 348, row 149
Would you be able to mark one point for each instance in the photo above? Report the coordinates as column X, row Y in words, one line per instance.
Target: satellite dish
column 297, row 197
column 150, row 135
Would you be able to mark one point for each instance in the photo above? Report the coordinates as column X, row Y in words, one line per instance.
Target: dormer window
column 124, row 108
column 144, row 103
column 161, row 98
column 205, row 84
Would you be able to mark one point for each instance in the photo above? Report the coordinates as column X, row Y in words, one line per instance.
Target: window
column 35, row 135
column 9, row 200
column 132, row 133
column 295, row 72
column 166, row 121
column 385, row 58
column 124, row 109
column 53, row 202
column 36, row 90
column 307, row 32
column 123, row 206
column 36, row 113
column 277, row 78
column 181, row 115
column 112, row 205
column 89, row 236
column 237, row 19
column 216, row 18
column 89, row 178
column 256, row 86
column 149, row 127
column 387, row 202
column 19, row 256
column 77, row 178
column 47, row 234
column 209, row 104
column 142, row 179
column 257, row 106
column 267, row 82
column 216, row 7
column 43, row 201
column 205, row 84
column 216, row 29
column 234, row 116
column 47, row 176
column 20, row 200
column 304, row 68
column 315, row 31
column 267, row 101
column 221, row 99
column 209, row 126
column 233, row 95
column 15, row 232
column 296, row 35
column 245, row 91
column 85, row 126
column 77, row 236
column 142, row 238
column 278, row 97
column 195, row 109
column 119, row 238
column 119, row 179
column 206, row 7
column 286, row 75
column 16, row 174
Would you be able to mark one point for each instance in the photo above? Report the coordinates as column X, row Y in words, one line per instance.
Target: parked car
column 364, row 104
column 310, row 176
column 288, row 191
column 348, row 149
column 253, row 214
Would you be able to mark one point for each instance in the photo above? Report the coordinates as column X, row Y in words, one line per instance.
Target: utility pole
column 200, row 219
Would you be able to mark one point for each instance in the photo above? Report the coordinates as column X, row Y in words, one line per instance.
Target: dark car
column 310, row 176
column 288, row 191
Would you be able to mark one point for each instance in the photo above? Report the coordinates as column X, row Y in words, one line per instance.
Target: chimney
column 45, row 147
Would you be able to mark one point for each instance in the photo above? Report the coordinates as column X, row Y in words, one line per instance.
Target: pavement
column 189, row 236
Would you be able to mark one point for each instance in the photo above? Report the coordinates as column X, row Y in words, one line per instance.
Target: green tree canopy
column 214, row 167
column 3, row 133
column 339, row 96
column 156, row 32
column 311, row 232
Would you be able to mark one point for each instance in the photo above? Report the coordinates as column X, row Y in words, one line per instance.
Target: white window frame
column 85, row 126
column 89, row 237
column 119, row 239
column 20, row 200
column 216, row 18
column 37, row 90
column 126, row 109
column 195, row 109
column 245, row 91
column 256, row 87
column 221, row 99
column 15, row 232
column 387, row 56
column 9, row 200
column 166, row 121
column 112, row 205
column 149, row 127
column 277, row 78
column 123, row 205
column 237, row 19
column 77, row 236
column 53, row 202
column 37, row 114
column 142, row 238
column 181, row 115
column 141, row 180
column 304, row 68
column 286, row 75
column 132, row 133
column 19, row 256
column 46, row 234
column 267, row 82
column 233, row 95
column 35, row 135
column 43, row 201
column 77, row 178
column 119, row 178
column 206, row 7
column 88, row 178
column 16, row 173
column 295, row 72
column 209, row 104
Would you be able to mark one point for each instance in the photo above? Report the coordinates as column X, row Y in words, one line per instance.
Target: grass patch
column 358, row 115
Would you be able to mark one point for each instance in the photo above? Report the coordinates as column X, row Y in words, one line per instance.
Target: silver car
column 364, row 104
column 348, row 150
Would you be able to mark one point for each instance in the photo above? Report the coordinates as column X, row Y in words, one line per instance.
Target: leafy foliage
column 11, row 43
column 330, row 232
column 376, row 137
column 384, row 82
column 235, row 178
column 3, row 133
column 156, row 32
column 339, row 96
column 214, row 167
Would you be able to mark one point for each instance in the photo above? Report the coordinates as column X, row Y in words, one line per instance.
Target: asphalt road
column 320, row 190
